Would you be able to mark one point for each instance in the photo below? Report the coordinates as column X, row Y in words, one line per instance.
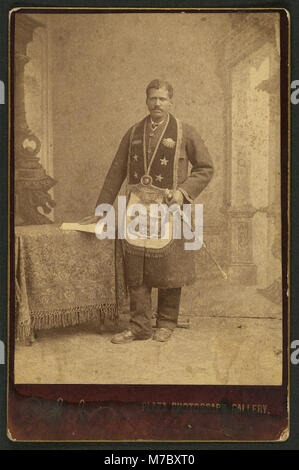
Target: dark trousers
column 141, row 309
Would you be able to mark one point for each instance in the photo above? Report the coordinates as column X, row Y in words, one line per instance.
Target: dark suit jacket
column 178, row 267
column 193, row 151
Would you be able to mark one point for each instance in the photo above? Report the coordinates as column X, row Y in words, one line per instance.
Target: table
column 65, row 278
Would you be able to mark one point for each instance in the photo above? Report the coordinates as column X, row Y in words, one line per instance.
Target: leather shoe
column 127, row 336
column 162, row 334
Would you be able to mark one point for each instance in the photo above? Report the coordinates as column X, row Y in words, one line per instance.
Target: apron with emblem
column 149, row 181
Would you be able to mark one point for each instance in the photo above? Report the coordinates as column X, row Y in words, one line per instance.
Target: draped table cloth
column 65, row 278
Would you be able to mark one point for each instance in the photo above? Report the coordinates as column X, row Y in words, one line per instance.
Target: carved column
column 31, row 181
column 249, row 32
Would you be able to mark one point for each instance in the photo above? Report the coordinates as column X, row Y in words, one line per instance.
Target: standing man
column 154, row 156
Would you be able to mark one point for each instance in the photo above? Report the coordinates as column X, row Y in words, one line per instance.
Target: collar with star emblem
column 161, row 171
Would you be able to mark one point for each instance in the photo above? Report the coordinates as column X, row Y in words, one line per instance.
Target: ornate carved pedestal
column 31, row 181
column 241, row 267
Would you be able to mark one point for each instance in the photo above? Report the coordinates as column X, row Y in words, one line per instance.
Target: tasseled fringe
column 149, row 252
column 23, row 332
column 66, row 317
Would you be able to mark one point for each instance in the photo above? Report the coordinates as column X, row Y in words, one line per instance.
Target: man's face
column 158, row 103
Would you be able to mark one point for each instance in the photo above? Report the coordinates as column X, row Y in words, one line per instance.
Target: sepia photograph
column 147, row 198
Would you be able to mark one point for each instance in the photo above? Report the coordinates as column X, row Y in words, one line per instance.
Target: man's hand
column 91, row 219
column 174, row 197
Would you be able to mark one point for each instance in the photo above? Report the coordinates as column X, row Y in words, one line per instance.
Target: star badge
column 159, row 178
column 135, row 157
column 163, row 161
column 135, row 175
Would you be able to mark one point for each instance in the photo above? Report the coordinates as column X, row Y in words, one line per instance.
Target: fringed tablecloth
column 64, row 278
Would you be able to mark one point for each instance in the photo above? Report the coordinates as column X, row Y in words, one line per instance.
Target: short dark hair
column 160, row 84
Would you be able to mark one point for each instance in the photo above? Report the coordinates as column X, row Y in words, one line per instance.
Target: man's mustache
column 157, row 109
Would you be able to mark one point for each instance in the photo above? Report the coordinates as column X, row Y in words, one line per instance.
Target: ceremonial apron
column 158, row 261
column 148, row 183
